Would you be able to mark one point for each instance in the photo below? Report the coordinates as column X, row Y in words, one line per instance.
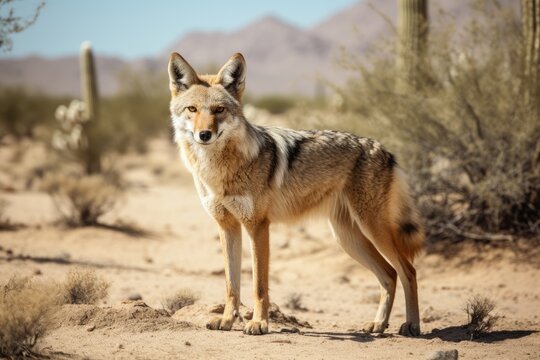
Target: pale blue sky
column 139, row 28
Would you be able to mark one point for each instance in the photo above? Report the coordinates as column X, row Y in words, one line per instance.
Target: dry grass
column 25, row 310
column 178, row 300
column 83, row 287
column 82, row 200
column 479, row 314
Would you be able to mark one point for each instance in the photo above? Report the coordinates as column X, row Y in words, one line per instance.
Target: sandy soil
column 179, row 249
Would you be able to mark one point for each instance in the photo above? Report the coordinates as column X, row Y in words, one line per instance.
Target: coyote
column 249, row 175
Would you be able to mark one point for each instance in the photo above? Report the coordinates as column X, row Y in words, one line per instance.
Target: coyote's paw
column 220, row 323
column 409, row 329
column 374, row 327
column 256, row 327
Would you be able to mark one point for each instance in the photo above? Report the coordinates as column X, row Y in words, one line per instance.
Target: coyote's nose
column 205, row 135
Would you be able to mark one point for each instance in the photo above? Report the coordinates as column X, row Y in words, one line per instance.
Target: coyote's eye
column 192, row 108
column 219, row 109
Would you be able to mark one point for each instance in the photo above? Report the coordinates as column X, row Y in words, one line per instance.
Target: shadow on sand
column 460, row 333
column 450, row 334
column 64, row 260
column 357, row 336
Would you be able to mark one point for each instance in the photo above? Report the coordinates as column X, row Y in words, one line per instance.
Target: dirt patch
column 203, row 313
column 133, row 316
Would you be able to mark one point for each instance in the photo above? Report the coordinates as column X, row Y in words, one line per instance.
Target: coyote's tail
column 409, row 231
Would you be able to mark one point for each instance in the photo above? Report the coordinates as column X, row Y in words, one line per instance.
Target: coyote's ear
column 233, row 76
column 181, row 74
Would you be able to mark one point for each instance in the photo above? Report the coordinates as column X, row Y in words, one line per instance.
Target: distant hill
column 281, row 58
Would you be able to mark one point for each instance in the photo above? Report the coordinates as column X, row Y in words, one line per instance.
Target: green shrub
column 466, row 134
column 275, row 104
column 21, row 112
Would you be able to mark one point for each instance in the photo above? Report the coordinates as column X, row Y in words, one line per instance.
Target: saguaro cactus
column 78, row 133
column 91, row 101
column 530, row 21
column 412, row 41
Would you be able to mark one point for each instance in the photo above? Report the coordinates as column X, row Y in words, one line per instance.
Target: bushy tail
column 409, row 234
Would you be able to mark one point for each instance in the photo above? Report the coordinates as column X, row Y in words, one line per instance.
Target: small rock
column 119, row 346
column 444, row 355
column 134, row 296
column 91, row 328
column 9, row 252
column 37, row 272
column 187, row 343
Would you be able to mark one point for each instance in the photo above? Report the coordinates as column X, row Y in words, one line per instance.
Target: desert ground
column 161, row 240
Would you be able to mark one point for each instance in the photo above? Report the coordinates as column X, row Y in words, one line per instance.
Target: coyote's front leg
column 230, row 235
column 260, row 257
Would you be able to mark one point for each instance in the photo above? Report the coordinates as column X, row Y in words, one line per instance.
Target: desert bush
column 294, row 302
column 132, row 117
column 22, row 112
column 119, row 123
column 275, row 104
column 25, row 310
column 466, row 134
column 178, row 300
column 83, row 287
column 82, row 200
column 479, row 315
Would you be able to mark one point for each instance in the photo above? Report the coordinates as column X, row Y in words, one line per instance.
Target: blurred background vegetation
column 458, row 104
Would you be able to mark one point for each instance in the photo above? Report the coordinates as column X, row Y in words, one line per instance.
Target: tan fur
column 250, row 176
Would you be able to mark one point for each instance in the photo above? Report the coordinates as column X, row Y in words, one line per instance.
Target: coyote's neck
column 219, row 163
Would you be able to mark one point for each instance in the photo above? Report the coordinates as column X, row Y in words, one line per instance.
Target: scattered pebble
column 37, row 272
column 119, row 346
column 187, row 343
column 91, row 328
column 444, row 355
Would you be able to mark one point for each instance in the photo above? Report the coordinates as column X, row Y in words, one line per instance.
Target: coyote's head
column 206, row 107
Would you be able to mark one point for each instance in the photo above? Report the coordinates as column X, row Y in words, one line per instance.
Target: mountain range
column 281, row 57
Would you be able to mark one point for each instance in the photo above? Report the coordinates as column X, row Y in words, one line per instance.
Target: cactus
column 530, row 22
column 412, row 42
column 91, row 100
column 78, row 132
